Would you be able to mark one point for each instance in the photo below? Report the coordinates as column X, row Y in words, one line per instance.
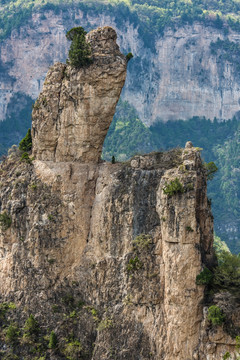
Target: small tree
column 80, row 51
column 227, row 273
column 52, row 340
column 205, row 277
column 129, row 56
column 211, row 170
column 174, row 187
column 26, row 143
column 12, row 334
column 31, row 327
column 215, row 315
column 5, row 221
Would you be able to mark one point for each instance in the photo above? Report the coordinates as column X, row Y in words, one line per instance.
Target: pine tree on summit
column 80, row 51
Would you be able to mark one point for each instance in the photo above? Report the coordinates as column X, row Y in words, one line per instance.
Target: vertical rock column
column 185, row 217
column 72, row 115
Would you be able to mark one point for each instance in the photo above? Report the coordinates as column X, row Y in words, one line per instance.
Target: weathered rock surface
column 73, row 231
column 72, row 115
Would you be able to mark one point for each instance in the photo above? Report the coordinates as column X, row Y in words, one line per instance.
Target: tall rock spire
column 72, row 115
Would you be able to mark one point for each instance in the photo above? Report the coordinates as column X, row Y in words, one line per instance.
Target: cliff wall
column 178, row 79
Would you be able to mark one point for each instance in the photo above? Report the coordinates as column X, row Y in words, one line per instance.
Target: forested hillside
column 151, row 16
column 183, row 82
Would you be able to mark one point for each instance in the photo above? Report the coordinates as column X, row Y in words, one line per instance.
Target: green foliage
column 134, row 264
column 127, row 135
column 205, row 277
column 25, row 158
column 142, row 242
column 226, row 356
column 227, row 50
column 12, row 334
column 5, row 221
column 173, row 188
column 105, row 324
column 189, row 229
column 80, row 51
column 5, row 307
column 73, row 350
column 129, row 56
column 52, row 340
column 219, row 246
column 225, row 276
column 227, row 186
column 31, row 327
column 211, row 170
column 113, row 160
column 26, row 143
column 215, row 315
column 227, row 273
column 237, row 343
column 94, row 313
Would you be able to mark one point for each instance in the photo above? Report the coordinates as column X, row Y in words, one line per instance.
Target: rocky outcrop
column 72, row 115
column 125, row 244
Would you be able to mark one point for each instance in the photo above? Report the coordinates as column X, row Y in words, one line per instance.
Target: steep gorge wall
column 179, row 79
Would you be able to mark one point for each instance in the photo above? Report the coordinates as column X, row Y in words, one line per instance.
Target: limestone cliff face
column 180, row 79
column 102, row 253
column 74, row 111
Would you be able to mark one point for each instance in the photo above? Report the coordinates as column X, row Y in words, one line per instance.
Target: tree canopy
column 80, row 51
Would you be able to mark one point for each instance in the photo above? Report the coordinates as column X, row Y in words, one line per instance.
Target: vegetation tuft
column 225, row 276
column 205, row 277
column 26, row 143
column 25, row 158
column 52, row 340
column 12, row 334
column 134, row 264
column 31, row 328
column 215, row 315
column 173, row 188
column 80, row 51
column 5, row 221
column 142, row 242
column 129, row 56
column 211, row 170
